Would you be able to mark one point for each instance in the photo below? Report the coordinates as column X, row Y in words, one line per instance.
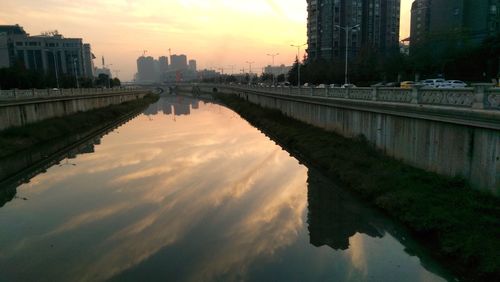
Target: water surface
column 188, row 191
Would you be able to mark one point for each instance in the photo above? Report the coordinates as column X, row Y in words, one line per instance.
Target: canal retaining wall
column 451, row 141
column 30, row 109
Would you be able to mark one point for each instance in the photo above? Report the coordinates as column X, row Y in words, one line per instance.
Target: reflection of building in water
column 182, row 109
column 173, row 105
column 166, row 106
column 333, row 217
column 195, row 104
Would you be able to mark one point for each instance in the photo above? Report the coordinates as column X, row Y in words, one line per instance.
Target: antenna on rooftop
column 144, row 53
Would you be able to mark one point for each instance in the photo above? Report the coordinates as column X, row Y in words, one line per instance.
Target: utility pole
column 298, row 61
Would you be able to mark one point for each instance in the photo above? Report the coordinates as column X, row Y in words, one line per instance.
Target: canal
column 189, row 191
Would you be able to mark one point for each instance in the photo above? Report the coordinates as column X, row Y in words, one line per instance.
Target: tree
column 293, row 73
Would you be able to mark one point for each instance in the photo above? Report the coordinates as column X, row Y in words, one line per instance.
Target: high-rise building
column 192, row 65
column 163, row 64
column 453, row 23
column 377, row 24
column 420, row 21
column 178, row 62
column 146, row 69
column 49, row 52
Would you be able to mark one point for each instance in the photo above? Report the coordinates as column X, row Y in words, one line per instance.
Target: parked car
column 306, row 84
column 334, row 85
column 349, row 85
column 407, row 84
column 321, row 86
column 453, row 84
column 433, row 82
column 392, row 84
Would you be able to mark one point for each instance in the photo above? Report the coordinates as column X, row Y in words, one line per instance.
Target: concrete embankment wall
column 23, row 112
column 451, row 142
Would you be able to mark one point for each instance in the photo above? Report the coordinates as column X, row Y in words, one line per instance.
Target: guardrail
column 17, row 94
column 479, row 96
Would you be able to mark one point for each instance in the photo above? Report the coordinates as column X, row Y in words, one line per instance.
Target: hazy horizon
column 216, row 33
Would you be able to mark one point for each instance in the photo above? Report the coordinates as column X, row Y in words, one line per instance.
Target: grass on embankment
column 457, row 223
column 17, row 139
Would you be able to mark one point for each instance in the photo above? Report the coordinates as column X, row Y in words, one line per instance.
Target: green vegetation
column 459, row 224
column 19, row 77
column 19, row 138
column 467, row 62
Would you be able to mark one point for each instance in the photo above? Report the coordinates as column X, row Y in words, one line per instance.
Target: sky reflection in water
column 189, row 191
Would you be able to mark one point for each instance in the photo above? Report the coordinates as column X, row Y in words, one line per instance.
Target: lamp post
column 273, row 55
column 347, row 29
column 298, row 61
column 250, row 66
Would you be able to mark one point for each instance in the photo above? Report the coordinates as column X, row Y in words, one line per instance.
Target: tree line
column 19, row 77
column 472, row 64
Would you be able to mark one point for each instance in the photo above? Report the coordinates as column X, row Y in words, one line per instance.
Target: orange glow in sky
column 216, row 33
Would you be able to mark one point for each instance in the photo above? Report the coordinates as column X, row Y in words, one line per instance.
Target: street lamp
column 250, row 66
column 298, row 61
column 273, row 55
column 347, row 29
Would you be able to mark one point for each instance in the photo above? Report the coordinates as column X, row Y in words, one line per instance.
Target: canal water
column 189, row 191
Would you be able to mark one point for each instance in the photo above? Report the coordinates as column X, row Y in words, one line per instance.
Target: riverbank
column 16, row 139
column 460, row 225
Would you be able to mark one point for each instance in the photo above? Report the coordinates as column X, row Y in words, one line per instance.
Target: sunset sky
column 216, row 33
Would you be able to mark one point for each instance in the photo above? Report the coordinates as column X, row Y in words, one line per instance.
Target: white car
column 348, row 86
column 453, row 84
column 434, row 82
column 321, row 86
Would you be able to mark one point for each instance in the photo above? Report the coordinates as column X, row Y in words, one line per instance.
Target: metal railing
column 17, row 94
column 479, row 96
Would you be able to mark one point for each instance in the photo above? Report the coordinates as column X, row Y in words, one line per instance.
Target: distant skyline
column 217, row 33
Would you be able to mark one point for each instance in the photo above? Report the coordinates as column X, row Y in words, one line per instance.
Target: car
column 306, row 84
column 333, row 85
column 453, row 84
column 392, row 84
column 407, row 84
column 321, row 86
column 348, row 85
column 433, row 82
